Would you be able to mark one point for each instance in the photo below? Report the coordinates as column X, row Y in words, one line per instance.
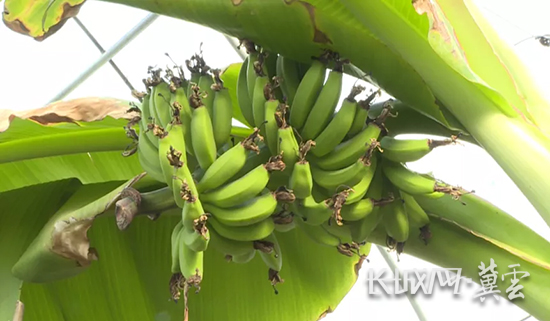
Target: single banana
column 245, row 102
column 287, row 69
column 207, row 93
column 191, row 262
column 325, row 104
column 358, row 191
column 196, row 237
column 222, row 112
column 301, row 180
column 250, row 212
column 235, row 249
column 348, row 176
column 287, row 145
column 310, row 211
column 253, row 159
column 271, row 128
column 183, row 186
column 172, row 153
column 147, row 118
column 160, row 102
column 204, row 144
column 307, row 93
column 175, row 244
column 252, row 232
column 228, row 164
column 318, row 234
column 270, row 252
column 148, row 158
column 244, row 188
column 409, row 150
column 260, row 96
column 361, row 115
column 192, row 211
column 364, row 207
column 417, row 216
column 396, row 224
column 335, row 132
column 180, row 105
column 251, row 75
column 242, row 259
column 414, row 183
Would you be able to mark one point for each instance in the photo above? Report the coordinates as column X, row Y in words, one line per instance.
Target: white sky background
column 33, row 73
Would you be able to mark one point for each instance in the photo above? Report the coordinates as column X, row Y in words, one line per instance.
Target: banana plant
column 442, row 61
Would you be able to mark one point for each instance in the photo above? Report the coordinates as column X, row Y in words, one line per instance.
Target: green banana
column 196, row 237
column 287, row 69
column 250, row 212
column 204, row 144
column 148, row 158
column 242, row 259
column 361, row 114
column 191, row 262
column 192, row 211
column 318, row 234
column 409, row 150
column 244, row 188
column 172, row 152
column 259, row 98
column 180, row 103
column 414, row 183
column 396, row 222
column 324, row 106
column 418, row 218
column 301, row 180
column 222, row 112
column 251, row 75
column 235, row 249
column 175, row 247
column 270, row 127
column 335, row 132
column 270, row 252
column 287, row 145
column 310, row 211
column 348, row 176
column 358, row 191
column 245, row 102
column 146, row 118
column 183, row 186
column 207, row 93
column 346, row 153
column 160, row 103
column 364, row 207
column 228, row 164
column 307, row 93
column 252, row 232
column 253, row 159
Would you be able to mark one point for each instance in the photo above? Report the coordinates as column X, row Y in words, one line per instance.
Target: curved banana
column 342, row 232
column 409, row 150
column 287, row 145
column 148, row 158
column 228, row 164
column 361, row 114
column 396, row 223
column 192, row 211
column 287, row 69
column 259, row 98
column 301, row 180
column 242, row 189
column 318, row 234
column 180, row 104
column 160, row 103
column 207, row 93
column 242, row 259
column 310, row 211
column 251, row 75
column 172, row 152
column 183, row 186
column 358, row 191
column 307, row 93
column 270, row 252
column 349, row 151
column 196, row 237
column 204, row 144
column 252, row 232
column 175, row 244
column 222, row 111
column 414, row 183
column 250, row 212
column 191, row 262
column 348, row 176
column 235, row 249
column 245, row 102
column 335, row 132
column 325, row 104
column 270, row 127
column 146, row 118
column 253, row 160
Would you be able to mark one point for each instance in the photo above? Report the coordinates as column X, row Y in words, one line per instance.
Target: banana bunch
column 310, row 163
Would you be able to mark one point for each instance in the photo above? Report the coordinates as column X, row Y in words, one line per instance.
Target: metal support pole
column 125, row 40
